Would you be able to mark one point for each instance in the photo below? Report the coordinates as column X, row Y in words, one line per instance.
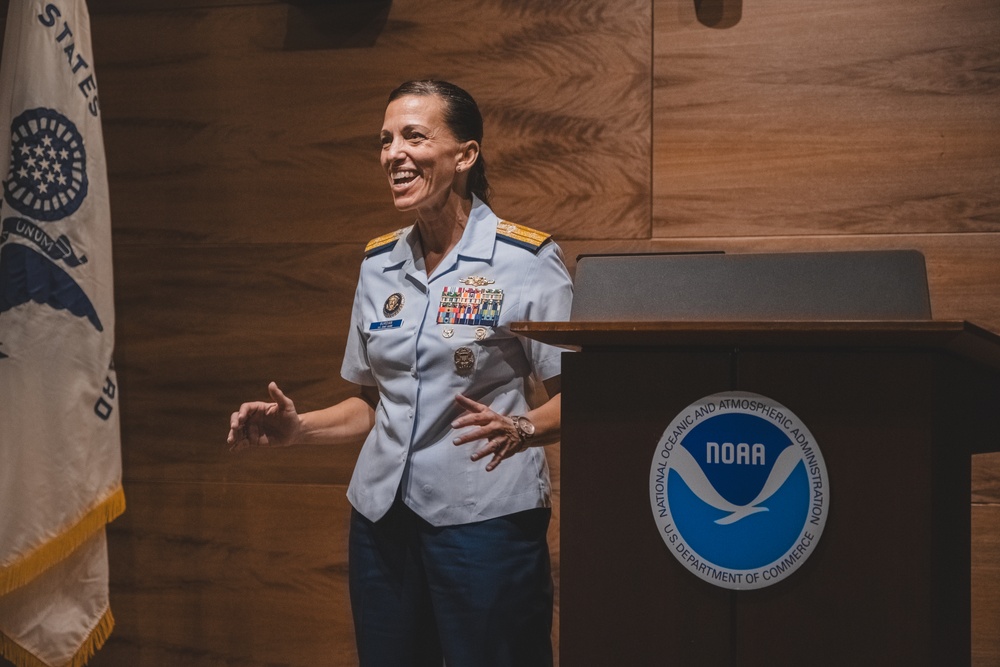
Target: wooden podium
column 897, row 409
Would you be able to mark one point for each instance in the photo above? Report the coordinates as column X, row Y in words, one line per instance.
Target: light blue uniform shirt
column 402, row 342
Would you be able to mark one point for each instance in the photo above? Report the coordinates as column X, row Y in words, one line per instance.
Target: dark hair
column 462, row 116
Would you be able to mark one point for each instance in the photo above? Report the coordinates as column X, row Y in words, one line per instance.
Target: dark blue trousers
column 474, row 595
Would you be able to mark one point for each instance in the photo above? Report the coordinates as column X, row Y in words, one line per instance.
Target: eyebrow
column 412, row 126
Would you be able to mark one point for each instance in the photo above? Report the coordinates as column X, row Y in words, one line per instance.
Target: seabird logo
column 739, row 490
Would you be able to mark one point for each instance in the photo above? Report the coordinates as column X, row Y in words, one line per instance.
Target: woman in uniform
column 451, row 497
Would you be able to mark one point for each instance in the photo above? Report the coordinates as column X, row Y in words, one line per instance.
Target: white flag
column 60, row 446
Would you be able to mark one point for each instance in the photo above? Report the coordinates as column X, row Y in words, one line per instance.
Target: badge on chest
column 393, row 305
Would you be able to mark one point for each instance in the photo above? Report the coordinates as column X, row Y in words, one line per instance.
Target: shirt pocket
column 389, row 348
column 499, row 357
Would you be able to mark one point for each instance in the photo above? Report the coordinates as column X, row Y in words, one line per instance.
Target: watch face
column 525, row 425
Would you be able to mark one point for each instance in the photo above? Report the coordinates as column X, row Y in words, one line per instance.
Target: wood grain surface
column 985, row 584
column 268, row 145
column 839, row 117
column 239, row 573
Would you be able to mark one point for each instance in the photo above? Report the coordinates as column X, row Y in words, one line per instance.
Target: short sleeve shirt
column 424, row 339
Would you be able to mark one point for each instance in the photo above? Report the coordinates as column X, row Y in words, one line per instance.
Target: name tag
column 388, row 324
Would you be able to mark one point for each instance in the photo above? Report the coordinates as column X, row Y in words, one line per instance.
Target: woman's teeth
column 401, row 177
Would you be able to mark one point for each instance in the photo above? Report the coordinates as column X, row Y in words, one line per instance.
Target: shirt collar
column 480, row 235
column 477, row 242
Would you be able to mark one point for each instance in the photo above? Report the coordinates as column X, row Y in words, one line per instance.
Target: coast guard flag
column 60, row 447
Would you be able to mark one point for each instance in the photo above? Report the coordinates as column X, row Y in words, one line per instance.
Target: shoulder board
column 519, row 235
column 383, row 243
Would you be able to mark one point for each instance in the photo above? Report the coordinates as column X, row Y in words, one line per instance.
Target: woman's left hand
column 502, row 438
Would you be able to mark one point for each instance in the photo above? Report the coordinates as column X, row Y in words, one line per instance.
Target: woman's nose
column 392, row 150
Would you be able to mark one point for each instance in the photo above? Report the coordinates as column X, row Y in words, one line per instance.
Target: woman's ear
column 468, row 154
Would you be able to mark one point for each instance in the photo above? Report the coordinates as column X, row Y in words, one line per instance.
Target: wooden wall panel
column 230, row 574
column 838, row 117
column 986, row 479
column 257, row 142
column 202, row 328
column 985, row 585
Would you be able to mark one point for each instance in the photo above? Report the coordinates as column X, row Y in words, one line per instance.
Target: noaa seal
column 739, row 490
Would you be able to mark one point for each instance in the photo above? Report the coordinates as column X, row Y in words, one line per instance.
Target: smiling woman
column 432, row 158
column 448, row 552
column 462, row 118
column 424, row 160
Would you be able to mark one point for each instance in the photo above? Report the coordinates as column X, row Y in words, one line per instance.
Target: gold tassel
column 27, row 568
column 17, row 654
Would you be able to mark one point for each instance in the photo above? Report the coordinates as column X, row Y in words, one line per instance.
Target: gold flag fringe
column 19, row 573
column 94, row 641
column 21, row 657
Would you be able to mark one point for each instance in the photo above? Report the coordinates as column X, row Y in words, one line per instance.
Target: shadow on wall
column 334, row 24
column 719, row 13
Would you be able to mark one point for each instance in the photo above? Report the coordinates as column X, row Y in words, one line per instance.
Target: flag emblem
column 48, row 166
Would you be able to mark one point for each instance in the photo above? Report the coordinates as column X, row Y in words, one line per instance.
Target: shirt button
column 427, row 488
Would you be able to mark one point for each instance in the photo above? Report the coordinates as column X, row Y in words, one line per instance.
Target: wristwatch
column 525, row 429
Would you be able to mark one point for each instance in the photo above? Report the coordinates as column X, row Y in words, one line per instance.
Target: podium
column 897, row 407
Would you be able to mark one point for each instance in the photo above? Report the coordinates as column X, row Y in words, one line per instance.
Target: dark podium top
column 957, row 336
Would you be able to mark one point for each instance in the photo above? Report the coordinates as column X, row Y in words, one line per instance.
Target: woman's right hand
column 260, row 424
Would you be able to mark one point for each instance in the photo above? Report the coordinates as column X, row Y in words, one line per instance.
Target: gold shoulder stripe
column 384, row 242
column 521, row 235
